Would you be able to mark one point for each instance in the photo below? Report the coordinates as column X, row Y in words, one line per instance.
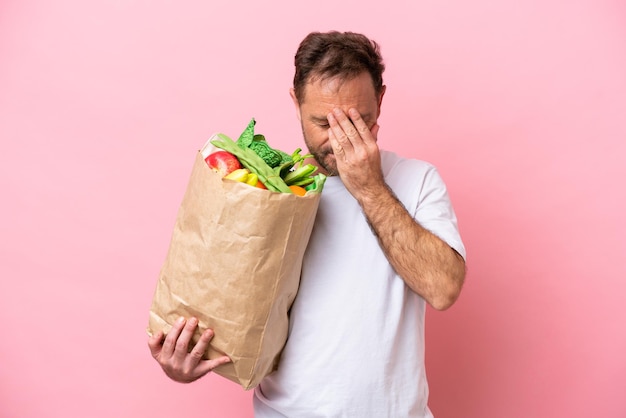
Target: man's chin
column 329, row 165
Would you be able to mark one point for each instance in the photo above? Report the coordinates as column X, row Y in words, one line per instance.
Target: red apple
column 223, row 162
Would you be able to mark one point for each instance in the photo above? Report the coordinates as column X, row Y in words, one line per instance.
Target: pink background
column 522, row 106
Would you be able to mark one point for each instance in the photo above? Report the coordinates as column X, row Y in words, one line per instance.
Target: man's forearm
column 428, row 265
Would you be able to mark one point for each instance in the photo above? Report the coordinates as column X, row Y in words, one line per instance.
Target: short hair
column 327, row 55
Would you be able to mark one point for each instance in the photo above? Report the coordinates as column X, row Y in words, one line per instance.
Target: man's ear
column 380, row 98
column 296, row 103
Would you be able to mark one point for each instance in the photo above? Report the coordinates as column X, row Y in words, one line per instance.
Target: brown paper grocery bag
column 234, row 262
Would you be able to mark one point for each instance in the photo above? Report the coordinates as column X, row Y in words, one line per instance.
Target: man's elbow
column 448, row 295
column 445, row 300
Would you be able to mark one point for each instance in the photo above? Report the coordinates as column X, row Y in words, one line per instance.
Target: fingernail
column 337, row 111
column 180, row 320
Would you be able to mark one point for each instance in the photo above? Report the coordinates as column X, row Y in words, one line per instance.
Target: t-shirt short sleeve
column 420, row 187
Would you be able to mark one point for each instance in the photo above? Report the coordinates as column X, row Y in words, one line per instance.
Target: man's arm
column 428, row 265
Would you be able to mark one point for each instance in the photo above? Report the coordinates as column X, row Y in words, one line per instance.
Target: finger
column 334, row 143
column 155, row 342
column 201, row 346
column 363, row 130
column 170, row 340
column 208, row 365
column 350, row 131
column 182, row 344
column 340, row 135
column 218, row 361
column 202, row 367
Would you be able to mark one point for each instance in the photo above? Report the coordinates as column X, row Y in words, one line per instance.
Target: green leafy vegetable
column 250, row 160
column 271, row 156
column 247, row 136
column 258, row 143
column 276, row 169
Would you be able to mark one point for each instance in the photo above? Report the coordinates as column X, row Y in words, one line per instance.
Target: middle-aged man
column 384, row 244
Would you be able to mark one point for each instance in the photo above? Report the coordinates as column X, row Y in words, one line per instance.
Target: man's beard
column 323, row 155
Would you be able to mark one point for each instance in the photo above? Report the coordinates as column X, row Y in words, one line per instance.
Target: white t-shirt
column 356, row 337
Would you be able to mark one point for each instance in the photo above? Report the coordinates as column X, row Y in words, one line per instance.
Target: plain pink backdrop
column 521, row 105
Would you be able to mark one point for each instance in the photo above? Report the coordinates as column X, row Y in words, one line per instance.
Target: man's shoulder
column 410, row 178
column 392, row 163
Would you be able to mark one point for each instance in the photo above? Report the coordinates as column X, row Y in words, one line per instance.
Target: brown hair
column 330, row 54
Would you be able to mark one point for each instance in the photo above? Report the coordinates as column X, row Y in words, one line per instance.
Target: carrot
column 297, row 190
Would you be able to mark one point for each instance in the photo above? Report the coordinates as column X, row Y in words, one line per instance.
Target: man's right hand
column 173, row 355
